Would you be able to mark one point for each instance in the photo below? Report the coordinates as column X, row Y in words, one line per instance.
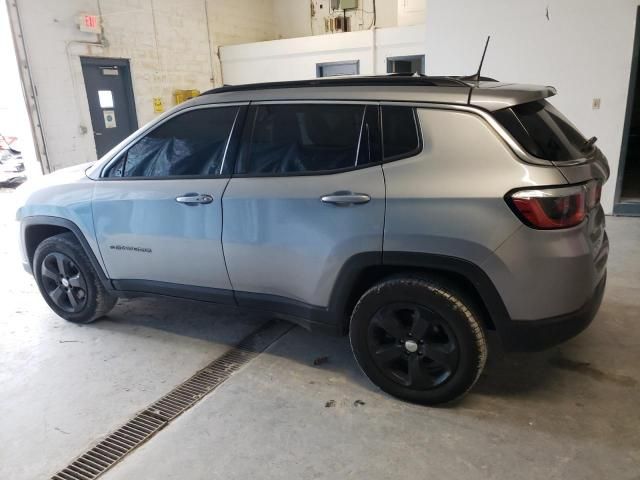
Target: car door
column 157, row 210
column 307, row 196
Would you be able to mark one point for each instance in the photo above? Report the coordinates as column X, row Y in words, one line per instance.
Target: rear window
column 542, row 131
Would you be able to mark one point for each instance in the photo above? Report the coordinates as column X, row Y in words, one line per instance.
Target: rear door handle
column 194, row 198
column 346, row 198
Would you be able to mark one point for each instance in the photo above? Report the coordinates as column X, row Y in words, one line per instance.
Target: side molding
column 132, row 288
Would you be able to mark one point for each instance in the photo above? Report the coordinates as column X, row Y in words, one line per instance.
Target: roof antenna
column 477, row 77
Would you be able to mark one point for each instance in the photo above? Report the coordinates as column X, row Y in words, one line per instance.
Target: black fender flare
column 38, row 220
column 476, row 276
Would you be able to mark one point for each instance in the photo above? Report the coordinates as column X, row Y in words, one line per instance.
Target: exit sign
column 89, row 23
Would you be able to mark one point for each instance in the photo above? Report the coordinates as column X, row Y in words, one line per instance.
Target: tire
column 68, row 282
column 418, row 340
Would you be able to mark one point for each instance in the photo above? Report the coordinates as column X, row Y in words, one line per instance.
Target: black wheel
column 68, row 281
column 418, row 340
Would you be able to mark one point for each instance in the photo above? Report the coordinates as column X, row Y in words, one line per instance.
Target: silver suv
column 413, row 213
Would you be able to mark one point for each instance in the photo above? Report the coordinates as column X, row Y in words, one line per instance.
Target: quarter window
column 399, row 132
column 301, row 138
column 190, row 144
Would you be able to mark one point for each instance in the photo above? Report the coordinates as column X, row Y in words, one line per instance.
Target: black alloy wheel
column 64, row 283
column 419, row 339
column 68, row 280
column 412, row 345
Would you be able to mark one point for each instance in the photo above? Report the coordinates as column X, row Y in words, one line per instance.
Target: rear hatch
column 546, row 134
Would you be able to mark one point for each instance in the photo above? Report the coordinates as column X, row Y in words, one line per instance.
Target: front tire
column 68, row 282
column 418, row 340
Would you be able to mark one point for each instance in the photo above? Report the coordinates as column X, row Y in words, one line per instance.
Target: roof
column 485, row 93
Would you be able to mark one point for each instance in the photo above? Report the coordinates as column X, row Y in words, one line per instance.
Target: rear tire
column 68, row 282
column 418, row 340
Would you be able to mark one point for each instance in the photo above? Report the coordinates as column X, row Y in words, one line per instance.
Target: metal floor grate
column 147, row 423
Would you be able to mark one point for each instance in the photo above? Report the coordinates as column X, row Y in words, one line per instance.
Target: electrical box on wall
column 344, row 4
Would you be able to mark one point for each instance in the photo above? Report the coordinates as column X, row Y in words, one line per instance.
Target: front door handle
column 345, row 198
column 194, row 198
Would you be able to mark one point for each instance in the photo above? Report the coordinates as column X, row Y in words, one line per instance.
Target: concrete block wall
column 242, row 21
column 168, row 43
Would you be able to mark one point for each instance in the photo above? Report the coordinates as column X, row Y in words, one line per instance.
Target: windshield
column 542, row 131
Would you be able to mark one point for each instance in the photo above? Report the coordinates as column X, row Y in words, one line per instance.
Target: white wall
column 168, row 44
column 296, row 58
column 583, row 48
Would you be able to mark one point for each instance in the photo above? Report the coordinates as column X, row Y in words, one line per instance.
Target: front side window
column 190, row 144
column 301, row 138
column 400, row 136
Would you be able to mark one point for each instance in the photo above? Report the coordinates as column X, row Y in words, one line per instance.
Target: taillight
column 558, row 207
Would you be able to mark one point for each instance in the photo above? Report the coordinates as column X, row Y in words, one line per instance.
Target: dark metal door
column 110, row 96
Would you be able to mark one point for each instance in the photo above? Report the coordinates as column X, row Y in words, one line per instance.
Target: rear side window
column 192, row 143
column 302, row 138
column 542, row 131
column 400, row 136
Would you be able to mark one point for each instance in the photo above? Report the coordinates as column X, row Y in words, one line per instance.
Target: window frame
column 228, row 158
column 249, row 119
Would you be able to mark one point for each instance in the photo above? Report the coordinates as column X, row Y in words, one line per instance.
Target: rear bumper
column 535, row 335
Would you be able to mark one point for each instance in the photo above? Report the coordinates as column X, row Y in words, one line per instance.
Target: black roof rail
column 394, row 79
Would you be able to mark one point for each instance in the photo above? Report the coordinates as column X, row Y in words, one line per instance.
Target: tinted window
column 542, row 131
column 192, row 143
column 299, row 138
column 400, row 132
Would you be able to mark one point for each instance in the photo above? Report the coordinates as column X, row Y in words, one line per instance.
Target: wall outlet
column 595, row 104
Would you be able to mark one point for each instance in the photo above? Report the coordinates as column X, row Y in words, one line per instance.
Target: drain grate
column 147, row 423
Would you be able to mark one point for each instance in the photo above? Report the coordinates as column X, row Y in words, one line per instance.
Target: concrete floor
column 571, row 412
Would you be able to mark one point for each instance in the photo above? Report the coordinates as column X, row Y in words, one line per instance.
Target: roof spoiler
column 504, row 95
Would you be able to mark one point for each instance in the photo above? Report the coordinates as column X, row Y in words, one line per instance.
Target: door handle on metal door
column 194, row 198
column 345, row 198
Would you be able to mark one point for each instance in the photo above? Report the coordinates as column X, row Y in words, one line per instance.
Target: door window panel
column 301, row 138
column 400, row 132
column 192, row 143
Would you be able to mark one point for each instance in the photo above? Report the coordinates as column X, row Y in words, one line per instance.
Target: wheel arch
column 365, row 270
column 36, row 229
